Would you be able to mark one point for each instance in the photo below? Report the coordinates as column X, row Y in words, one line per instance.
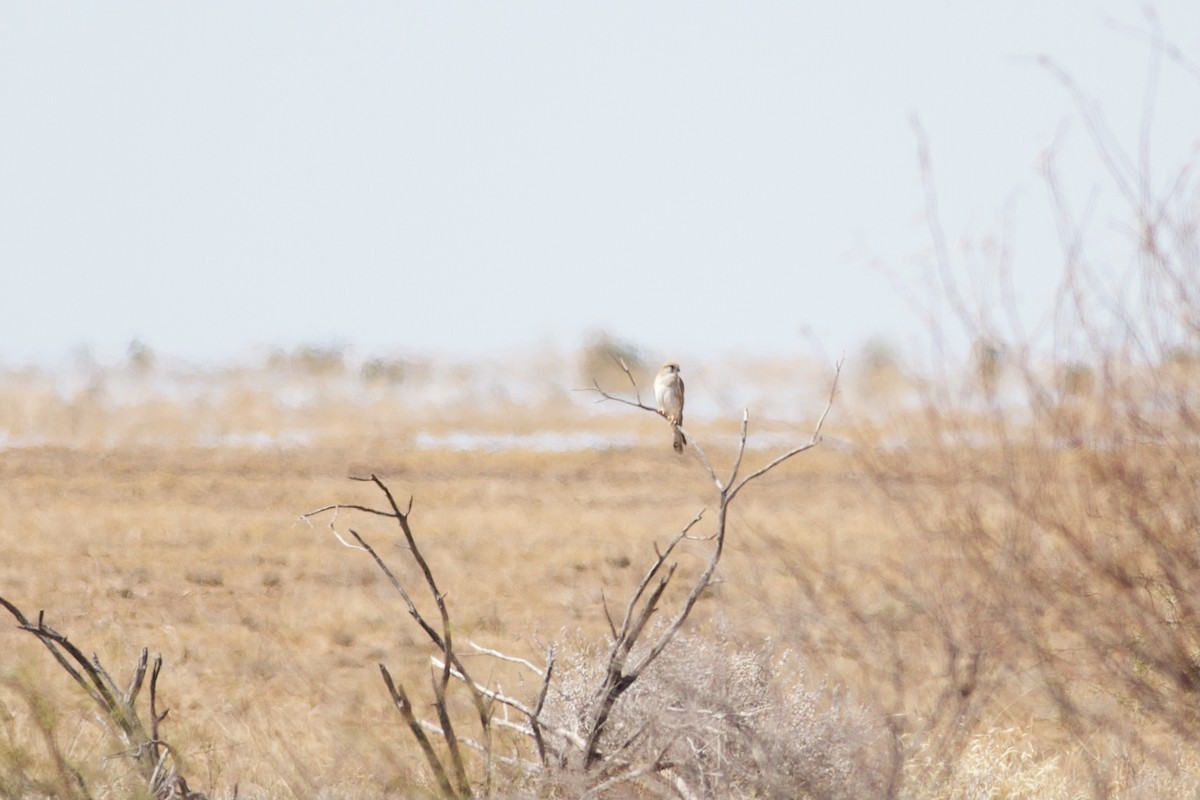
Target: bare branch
column 444, row 638
column 629, row 374
column 399, row 587
column 637, row 392
column 648, row 609
column 649, row 576
column 307, row 520
column 98, row 671
column 155, row 717
column 439, row 704
column 618, row 399
column 139, row 674
column 741, row 451
column 522, row 764
column 52, row 640
column 149, row 753
column 504, row 657
column 414, row 726
column 515, row 704
column 349, row 507
column 612, row 628
column 701, row 584
column 712, row 473
column 813, row 442
column 541, row 702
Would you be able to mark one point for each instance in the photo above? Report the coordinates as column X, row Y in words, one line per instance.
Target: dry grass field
column 129, row 536
column 270, row 630
column 873, row 571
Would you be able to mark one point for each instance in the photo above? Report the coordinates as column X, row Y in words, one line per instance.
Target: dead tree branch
column 620, row 674
column 811, row 443
column 631, row 652
column 154, row 759
column 404, row 706
column 441, row 636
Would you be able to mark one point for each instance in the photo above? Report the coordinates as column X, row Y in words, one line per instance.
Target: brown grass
column 271, row 630
column 875, row 566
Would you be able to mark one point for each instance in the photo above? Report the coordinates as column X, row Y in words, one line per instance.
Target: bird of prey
column 668, row 392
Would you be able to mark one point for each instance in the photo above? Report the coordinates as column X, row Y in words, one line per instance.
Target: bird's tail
column 680, row 440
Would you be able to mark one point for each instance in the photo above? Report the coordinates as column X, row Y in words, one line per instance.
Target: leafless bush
column 1056, row 468
column 605, row 360
column 380, row 370
column 642, row 710
column 314, row 360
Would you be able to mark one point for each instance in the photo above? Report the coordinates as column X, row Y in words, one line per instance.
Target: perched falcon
column 668, row 392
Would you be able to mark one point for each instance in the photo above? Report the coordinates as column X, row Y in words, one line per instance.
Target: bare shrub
column 1056, row 468
column 313, row 360
column 702, row 726
column 604, row 359
column 381, row 370
column 141, row 357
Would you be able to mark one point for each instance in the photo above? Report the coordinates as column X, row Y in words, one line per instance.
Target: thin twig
column 504, row 657
column 541, row 702
column 612, row 628
column 399, row 587
column 517, row 705
column 637, row 392
column 526, row 766
column 712, row 473
column 741, row 451
column 617, row 398
column 813, row 442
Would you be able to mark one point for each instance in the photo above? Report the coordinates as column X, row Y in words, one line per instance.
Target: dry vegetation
column 989, row 590
column 928, row 620
column 270, row 630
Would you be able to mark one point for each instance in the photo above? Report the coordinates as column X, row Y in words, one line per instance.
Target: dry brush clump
column 732, row 719
column 653, row 709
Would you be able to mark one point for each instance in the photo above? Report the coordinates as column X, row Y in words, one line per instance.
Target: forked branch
column 631, row 651
column 441, row 635
column 154, row 759
column 622, row 670
column 795, row 451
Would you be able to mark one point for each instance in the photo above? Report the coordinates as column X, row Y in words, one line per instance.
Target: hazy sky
column 215, row 177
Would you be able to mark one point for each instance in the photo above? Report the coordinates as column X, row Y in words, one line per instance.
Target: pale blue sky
column 216, row 177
